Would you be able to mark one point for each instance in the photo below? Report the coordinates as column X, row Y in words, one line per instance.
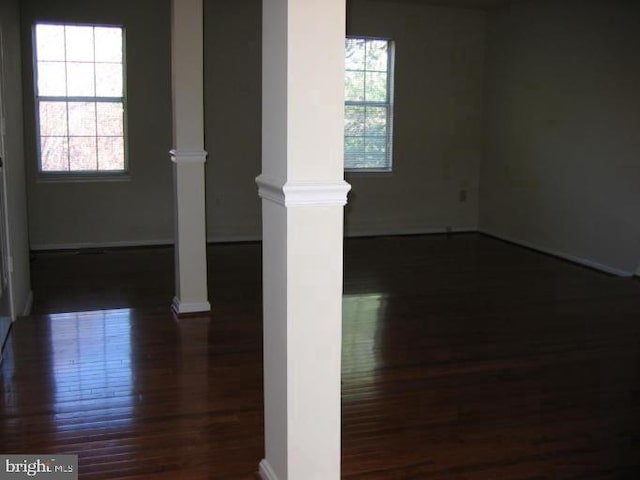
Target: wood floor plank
column 464, row 358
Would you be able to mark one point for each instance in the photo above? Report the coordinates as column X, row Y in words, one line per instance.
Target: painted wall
column 438, row 103
column 562, row 165
column 135, row 211
column 437, row 125
column 233, row 83
column 437, row 119
column 14, row 161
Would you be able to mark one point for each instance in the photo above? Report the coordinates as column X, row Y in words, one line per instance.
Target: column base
column 181, row 307
column 266, row 472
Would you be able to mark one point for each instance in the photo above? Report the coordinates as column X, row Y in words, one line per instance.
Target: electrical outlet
column 463, row 195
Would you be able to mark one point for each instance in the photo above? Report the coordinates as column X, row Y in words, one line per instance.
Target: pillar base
column 266, row 472
column 181, row 308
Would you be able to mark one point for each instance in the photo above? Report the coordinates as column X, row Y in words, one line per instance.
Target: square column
column 189, row 157
column 303, row 196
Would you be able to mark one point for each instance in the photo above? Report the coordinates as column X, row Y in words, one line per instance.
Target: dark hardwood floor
column 72, row 281
column 463, row 358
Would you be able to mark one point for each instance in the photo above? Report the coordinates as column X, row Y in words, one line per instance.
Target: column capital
column 184, row 156
column 303, row 194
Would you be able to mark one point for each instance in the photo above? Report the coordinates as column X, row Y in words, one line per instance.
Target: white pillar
column 303, row 194
column 188, row 157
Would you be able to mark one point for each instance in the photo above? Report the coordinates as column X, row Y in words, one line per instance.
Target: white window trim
column 77, row 176
column 390, row 110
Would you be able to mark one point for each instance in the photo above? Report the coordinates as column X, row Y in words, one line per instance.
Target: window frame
column 80, row 175
column 388, row 104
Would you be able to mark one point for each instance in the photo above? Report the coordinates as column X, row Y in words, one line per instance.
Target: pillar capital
column 295, row 194
column 182, row 156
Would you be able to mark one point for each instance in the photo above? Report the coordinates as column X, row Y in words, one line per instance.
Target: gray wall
column 135, row 211
column 560, row 170
column 437, row 126
column 14, row 161
column 562, row 165
column 437, row 119
column 233, row 81
column 437, row 137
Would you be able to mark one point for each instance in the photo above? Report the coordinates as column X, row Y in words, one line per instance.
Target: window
column 368, row 104
column 80, row 104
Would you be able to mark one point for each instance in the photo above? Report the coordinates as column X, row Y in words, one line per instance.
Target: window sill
column 82, row 178
column 368, row 173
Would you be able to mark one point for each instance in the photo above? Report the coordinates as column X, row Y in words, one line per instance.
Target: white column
column 303, row 194
column 189, row 157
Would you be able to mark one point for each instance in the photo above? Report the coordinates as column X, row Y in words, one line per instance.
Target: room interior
column 512, row 119
column 483, row 104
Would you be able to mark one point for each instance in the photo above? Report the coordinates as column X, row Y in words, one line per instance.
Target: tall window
column 368, row 104
column 80, row 101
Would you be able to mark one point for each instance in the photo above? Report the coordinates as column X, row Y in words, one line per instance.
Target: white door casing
column 6, row 310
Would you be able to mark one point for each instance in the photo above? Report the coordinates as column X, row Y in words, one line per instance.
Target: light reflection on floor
column 91, row 364
column 360, row 349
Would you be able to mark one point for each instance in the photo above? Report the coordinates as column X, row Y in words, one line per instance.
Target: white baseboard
column 117, row 244
column 181, row 307
column 230, row 238
column 572, row 258
column 266, row 472
column 139, row 243
column 383, row 231
column 28, row 304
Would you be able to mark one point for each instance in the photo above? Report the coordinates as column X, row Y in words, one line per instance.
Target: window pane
column 110, row 119
column 79, row 43
column 377, row 55
column 51, row 79
column 355, row 54
column 54, row 152
column 82, row 119
column 354, row 86
column 82, row 153
column 378, row 161
column 354, row 121
column 354, row 145
column 367, row 112
column 50, row 42
column 376, row 145
column 376, row 87
column 76, row 61
column 354, row 161
column 80, row 80
column 108, row 44
column 376, row 121
column 110, row 153
column 53, row 118
column 109, row 80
